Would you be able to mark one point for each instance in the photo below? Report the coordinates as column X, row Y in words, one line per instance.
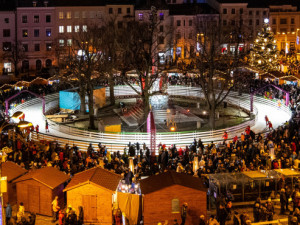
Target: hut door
column 89, row 203
column 33, row 198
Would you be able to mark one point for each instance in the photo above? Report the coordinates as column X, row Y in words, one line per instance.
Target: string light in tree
column 264, row 51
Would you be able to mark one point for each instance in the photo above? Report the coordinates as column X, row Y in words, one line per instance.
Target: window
column 24, row 19
column 25, row 33
column 283, row 21
column 250, row 12
column 6, row 20
column 273, row 21
column 76, row 15
column 48, row 18
column 84, row 14
column 175, row 205
column 257, row 13
column 161, row 16
column 48, row 46
column 61, row 29
column 257, row 22
column 283, row 30
column 178, row 36
column 292, row 20
column 224, row 22
column 36, row 18
column 69, row 42
column 6, row 46
column 232, row 22
column 76, row 28
column 36, row 33
column 110, row 11
column 141, row 16
column 25, row 47
column 61, row 42
column 161, row 28
column 190, row 23
column 161, row 40
column 174, row 1
column 178, row 23
column 241, row 10
column 37, row 47
column 292, row 29
column 128, row 11
column 69, row 15
column 274, row 30
column 84, row 28
column 224, row 11
column 264, row 13
column 69, row 29
column 120, row 24
column 232, row 11
column 250, row 22
column 92, row 14
column 119, row 10
column 6, row 32
column 48, row 32
column 61, row 15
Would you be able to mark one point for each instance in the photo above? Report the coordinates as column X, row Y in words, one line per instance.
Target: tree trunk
column 111, row 89
column 211, row 120
column 91, row 110
column 82, row 101
column 146, row 110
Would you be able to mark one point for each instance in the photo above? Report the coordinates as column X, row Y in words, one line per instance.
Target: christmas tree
column 264, row 54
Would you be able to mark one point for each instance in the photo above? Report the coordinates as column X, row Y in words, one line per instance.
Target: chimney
column 46, row 3
column 34, row 3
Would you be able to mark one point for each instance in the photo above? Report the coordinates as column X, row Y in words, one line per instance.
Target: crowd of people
column 276, row 149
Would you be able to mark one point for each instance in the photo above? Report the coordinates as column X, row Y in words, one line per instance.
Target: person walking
column 55, row 209
column 283, row 201
column 183, row 213
column 267, row 120
column 8, row 213
column 47, row 126
column 37, row 129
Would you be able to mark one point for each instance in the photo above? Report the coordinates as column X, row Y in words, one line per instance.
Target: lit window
column 84, row 28
column 61, row 42
column 25, row 33
column 48, row 46
column 141, row 16
column 69, row 29
column 69, row 16
column 48, row 32
column 61, row 29
column 6, row 46
column 69, row 42
column 61, row 15
column 76, row 28
column 161, row 16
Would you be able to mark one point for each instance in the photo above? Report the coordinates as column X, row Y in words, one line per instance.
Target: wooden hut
column 94, row 190
column 38, row 188
column 12, row 171
column 164, row 195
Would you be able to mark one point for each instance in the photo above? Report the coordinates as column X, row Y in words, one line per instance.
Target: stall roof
column 163, row 180
column 48, row 176
column 255, row 174
column 11, row 170
column 96, row 175
column 288, row 172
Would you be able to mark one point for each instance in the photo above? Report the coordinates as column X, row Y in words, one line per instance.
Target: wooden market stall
column 164, row 195
column 12, row 171
column 38, row 188
column 94, row 190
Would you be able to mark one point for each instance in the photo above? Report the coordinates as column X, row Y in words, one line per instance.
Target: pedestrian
column 270, row 126
column 37, row 129
column 283, row 201
column 267, row 120
column 8, row 213
column 236, row 219
column 202, row 220
column 21, row 211
column 175, row 222
column 47, row 126
column 61, row 217
column 183, row 213
column 55, row 209
column 225, row 136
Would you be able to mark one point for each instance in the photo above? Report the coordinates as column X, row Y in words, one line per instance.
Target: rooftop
column 11, row 170
column 96, row 175
column 170, row 178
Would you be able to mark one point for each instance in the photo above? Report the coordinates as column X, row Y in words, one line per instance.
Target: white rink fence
column 64, row 134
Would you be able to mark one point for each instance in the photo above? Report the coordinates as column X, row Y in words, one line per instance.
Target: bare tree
column 215, row 66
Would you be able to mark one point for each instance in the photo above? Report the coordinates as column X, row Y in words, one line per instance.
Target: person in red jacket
column 270, row 126
column 267, row 120
column 225, row 136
